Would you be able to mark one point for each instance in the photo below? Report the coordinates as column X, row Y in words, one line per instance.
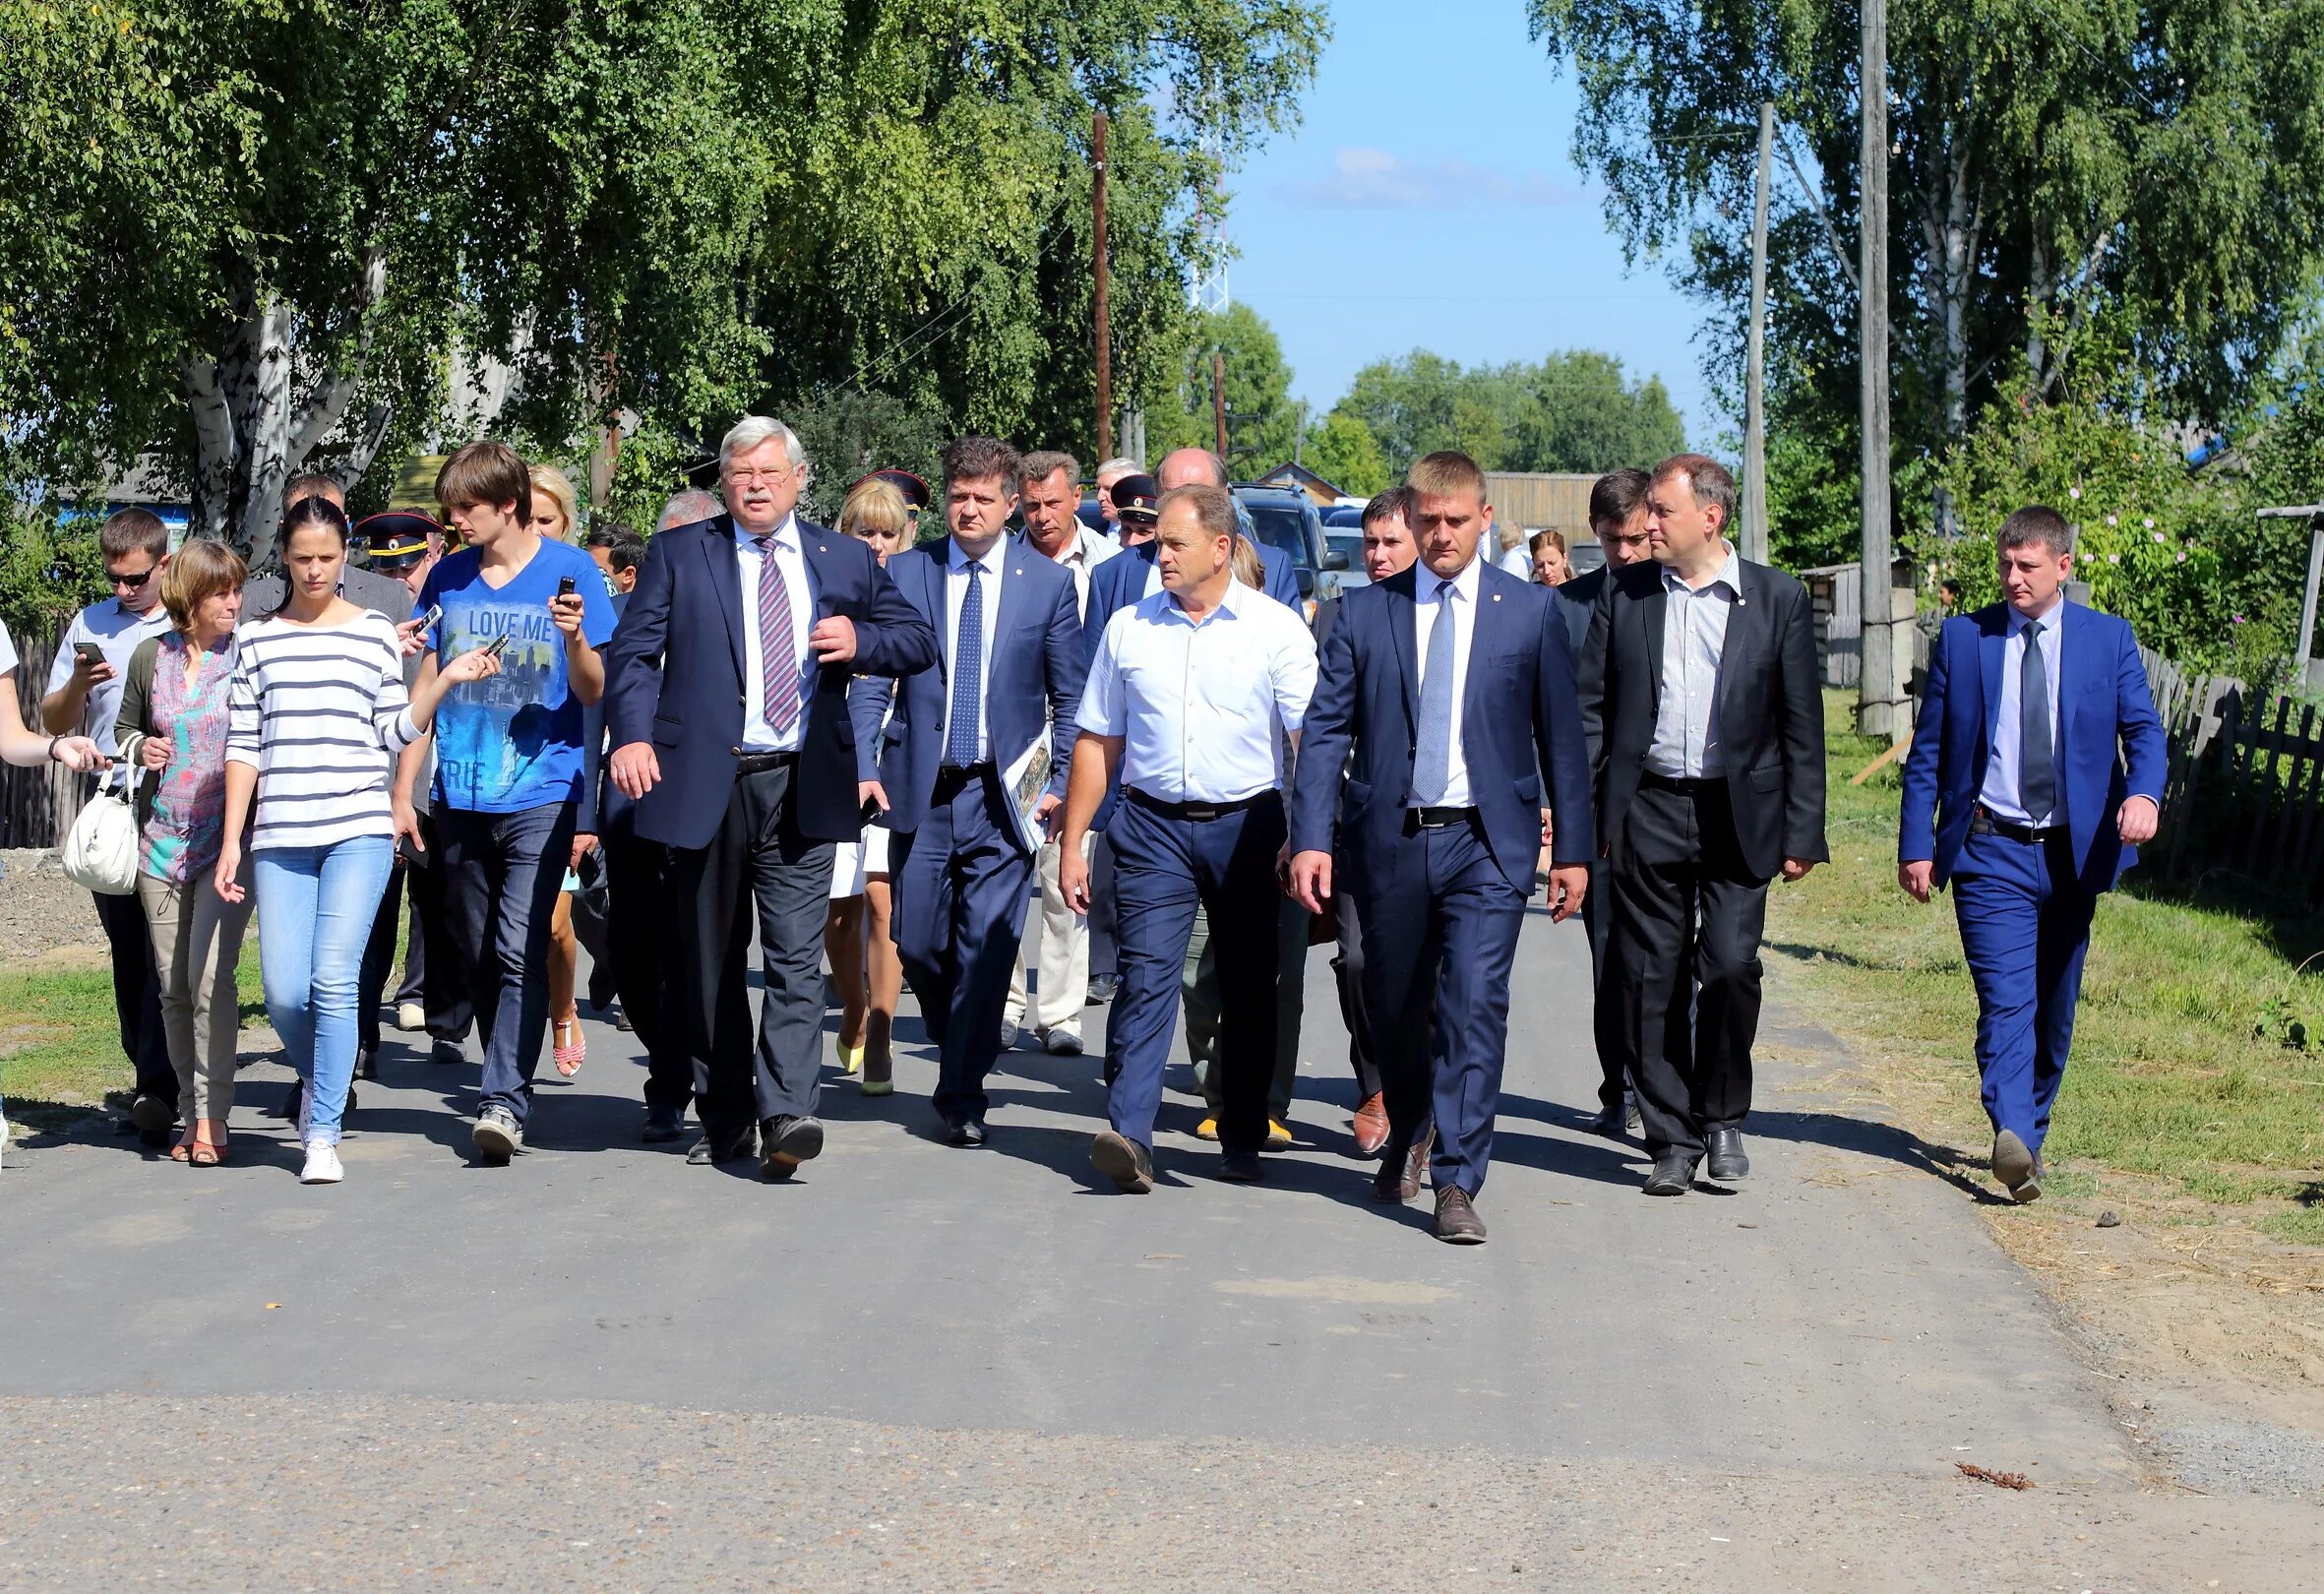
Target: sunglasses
column 133, row 582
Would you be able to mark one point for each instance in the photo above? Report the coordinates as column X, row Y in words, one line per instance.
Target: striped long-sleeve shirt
column 320, row 712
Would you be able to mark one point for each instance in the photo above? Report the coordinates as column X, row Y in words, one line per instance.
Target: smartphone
column 433, row 618
column 498, row 642
column 90, row 653
column 565, row 587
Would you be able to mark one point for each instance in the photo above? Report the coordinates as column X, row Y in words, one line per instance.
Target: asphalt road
column 928, row 1368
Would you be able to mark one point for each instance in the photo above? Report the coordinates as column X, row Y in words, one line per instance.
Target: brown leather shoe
column 1371, row 1126
column 1130, row 1165
column 1458, row 1222
column 1398, row 1179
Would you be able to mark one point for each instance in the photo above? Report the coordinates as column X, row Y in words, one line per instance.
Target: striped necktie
column 779, row 663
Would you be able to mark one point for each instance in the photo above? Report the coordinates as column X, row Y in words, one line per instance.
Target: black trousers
column 137, row 994
column 378, row 959
column 445, row 993
column 1684, row 964
column 1355, row 1009
column 757, row 862
column 639, row 933
column 1610, row 1025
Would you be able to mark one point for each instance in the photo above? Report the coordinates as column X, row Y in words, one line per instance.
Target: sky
column 1449, row 126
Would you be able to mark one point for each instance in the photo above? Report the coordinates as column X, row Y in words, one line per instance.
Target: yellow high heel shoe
column 851, row 1058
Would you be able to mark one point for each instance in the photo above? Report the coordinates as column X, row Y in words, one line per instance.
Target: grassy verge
column 2180, row 1076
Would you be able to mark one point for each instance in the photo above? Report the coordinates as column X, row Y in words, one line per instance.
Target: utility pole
column 1097, row 266
column 1877, row 680
column 1218, row 400
column 1754, row 485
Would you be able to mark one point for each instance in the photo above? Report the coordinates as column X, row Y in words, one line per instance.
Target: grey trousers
column 197, row 946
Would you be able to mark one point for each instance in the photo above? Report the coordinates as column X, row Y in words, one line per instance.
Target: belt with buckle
column 1439, row 818
column 1692, row 787
column 1201, row 813
column 1983, row 823
column 750, row 764
column 952, row 780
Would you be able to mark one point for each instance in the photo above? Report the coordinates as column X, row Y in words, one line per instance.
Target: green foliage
column 1261, row 420
column 46, row 570
column 1340, row 449
column 1571, row 411
column 853, row 434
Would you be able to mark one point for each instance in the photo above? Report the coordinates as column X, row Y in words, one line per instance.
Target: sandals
column 204, row 1154
column 569, row 1057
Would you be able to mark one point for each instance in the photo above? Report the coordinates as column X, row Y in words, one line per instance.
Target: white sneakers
column 410, row 1015
column 322, row 1165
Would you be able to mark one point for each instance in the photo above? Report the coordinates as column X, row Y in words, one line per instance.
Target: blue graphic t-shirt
column 512, row 740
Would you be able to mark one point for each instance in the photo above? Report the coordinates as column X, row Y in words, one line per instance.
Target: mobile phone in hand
column 565, row 587
column 90, row 654
column 433, row 618
column 498, row 642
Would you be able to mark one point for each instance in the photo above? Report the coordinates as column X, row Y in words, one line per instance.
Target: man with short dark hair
column 968, row 730
column 84, row 697
column 617, row 551
column 2036, row 772
column 1705, row 710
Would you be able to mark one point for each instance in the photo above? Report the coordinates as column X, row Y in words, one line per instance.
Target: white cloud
column 1363, row 179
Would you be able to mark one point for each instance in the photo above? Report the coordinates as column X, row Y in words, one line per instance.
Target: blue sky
column 1448, row 124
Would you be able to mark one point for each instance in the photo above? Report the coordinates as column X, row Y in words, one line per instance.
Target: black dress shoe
column 1102, row 990
column 786, row 1141
column 1130, row 1165
column 663, row 1124
column 1398, row 1179
column 1727, row 1160
column 447, row 1053
column 1674, row 1173
column 367, row 1064
column 967, row 1132
column 1240, row 1167
column 1609, row 1122
column 288, row 1110
column 717, row 1147
column 1458, row 1222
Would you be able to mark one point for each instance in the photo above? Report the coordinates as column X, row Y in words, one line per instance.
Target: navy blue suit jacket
column 2105, row 710
column 1519, row 720
column 1032, row 680
column 1121, row 580
column 674, row 677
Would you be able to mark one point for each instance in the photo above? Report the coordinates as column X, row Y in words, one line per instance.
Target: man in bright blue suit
column 2018, row 792
column 1445, row 695
column 1009, row 675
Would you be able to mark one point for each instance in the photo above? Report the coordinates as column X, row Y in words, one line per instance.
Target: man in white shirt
column 1069, row 941
column 1195, row 695
column 84, row 698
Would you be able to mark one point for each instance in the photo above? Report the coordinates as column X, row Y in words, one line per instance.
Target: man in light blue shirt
column 1195, row 697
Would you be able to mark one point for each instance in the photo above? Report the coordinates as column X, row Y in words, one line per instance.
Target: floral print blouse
column 186, row 825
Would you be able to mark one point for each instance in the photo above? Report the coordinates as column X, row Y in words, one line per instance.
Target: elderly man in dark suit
column 1444, row 698
column 1705, row 714
column 1008, row 621
column 728, row 683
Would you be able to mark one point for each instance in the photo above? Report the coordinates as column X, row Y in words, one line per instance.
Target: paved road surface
column 920, row 1367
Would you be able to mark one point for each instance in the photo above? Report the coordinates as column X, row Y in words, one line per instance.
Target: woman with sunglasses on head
column 555, row 511
column 315, row 712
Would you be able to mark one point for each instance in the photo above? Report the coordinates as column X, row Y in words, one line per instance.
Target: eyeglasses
column 133, row 582
column 746, row 476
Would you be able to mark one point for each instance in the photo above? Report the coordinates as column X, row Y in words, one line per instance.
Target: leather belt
column 1692, row 787
column 1439, row 819
column 952, row 780
column 1200, row 813
column 1983, row 823
column 750, row 764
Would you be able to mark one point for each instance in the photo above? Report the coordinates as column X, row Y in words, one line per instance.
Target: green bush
column 46, row 570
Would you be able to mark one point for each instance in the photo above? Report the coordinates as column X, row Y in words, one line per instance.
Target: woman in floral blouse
column 172, row 735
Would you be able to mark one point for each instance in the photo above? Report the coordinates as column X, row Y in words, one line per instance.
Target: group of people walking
column 750, row 726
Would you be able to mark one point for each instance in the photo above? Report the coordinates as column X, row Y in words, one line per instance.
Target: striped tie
column 779, row 664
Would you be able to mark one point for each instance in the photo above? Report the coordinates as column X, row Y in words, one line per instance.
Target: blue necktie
column 1432, row 753
column 969, row 671
column 2037, row 763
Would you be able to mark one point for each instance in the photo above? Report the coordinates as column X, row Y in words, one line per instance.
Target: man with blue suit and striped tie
column 1009, row 674
column 2035, row 772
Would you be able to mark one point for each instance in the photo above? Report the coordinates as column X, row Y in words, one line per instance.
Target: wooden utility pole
column 1877, row 714
column 1754, row 503
column 1218, row 400
column 1097, row 266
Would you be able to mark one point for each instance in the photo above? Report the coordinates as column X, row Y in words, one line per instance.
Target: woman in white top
column 857, row 938
column 315, row 712
column 31, row 749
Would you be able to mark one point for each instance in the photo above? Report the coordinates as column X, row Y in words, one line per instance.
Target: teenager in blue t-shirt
column 509, row 758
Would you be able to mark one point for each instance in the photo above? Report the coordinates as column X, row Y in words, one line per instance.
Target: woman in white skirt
column 857, row 937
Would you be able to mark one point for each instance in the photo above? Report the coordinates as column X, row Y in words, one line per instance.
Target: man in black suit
column 728, row 684
column 1702, row 705
column 1618, row 520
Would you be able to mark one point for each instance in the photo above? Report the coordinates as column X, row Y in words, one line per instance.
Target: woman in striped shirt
column 315, row 712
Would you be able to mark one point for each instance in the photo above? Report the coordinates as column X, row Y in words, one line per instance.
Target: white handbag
column 100, row 849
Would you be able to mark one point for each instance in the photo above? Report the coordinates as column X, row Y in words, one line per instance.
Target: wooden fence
column 2245, row 788
column 36, row 805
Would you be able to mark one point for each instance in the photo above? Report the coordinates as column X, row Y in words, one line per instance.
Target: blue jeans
column 502, row 875
column 315, row 907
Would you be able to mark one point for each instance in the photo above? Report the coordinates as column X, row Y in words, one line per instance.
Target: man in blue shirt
column 508, row 757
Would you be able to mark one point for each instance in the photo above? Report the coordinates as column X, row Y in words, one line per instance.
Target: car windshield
column 1349, row 543
column 1281, row 527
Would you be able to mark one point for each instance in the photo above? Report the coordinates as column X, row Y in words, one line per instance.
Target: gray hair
column 1120, row 465
column 752, row 430
column 689, row 507
column 1043, row 463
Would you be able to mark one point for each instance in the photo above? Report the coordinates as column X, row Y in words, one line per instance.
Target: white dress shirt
column 1088, row 550
column 116, row 630
column 1427, row 606
column 988, row 577
column 757, row 735
column 1202, row 710
column 2000, row 791
column 1687, row 743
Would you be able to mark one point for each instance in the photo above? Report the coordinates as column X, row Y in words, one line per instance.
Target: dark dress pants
column 1685, row 966
column 446, row 995
column 1164, row 866
column 1609, row 1026
column 502, row 875
column 638, row 932
column 757, row 863
column 416, row 947
column 379, row 961
column 2025, row 927
column 1441, row 924
column 1355, row 1011
column 137, row 994
column 960, row 882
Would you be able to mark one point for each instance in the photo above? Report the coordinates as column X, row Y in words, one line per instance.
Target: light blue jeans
column 315, row 908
